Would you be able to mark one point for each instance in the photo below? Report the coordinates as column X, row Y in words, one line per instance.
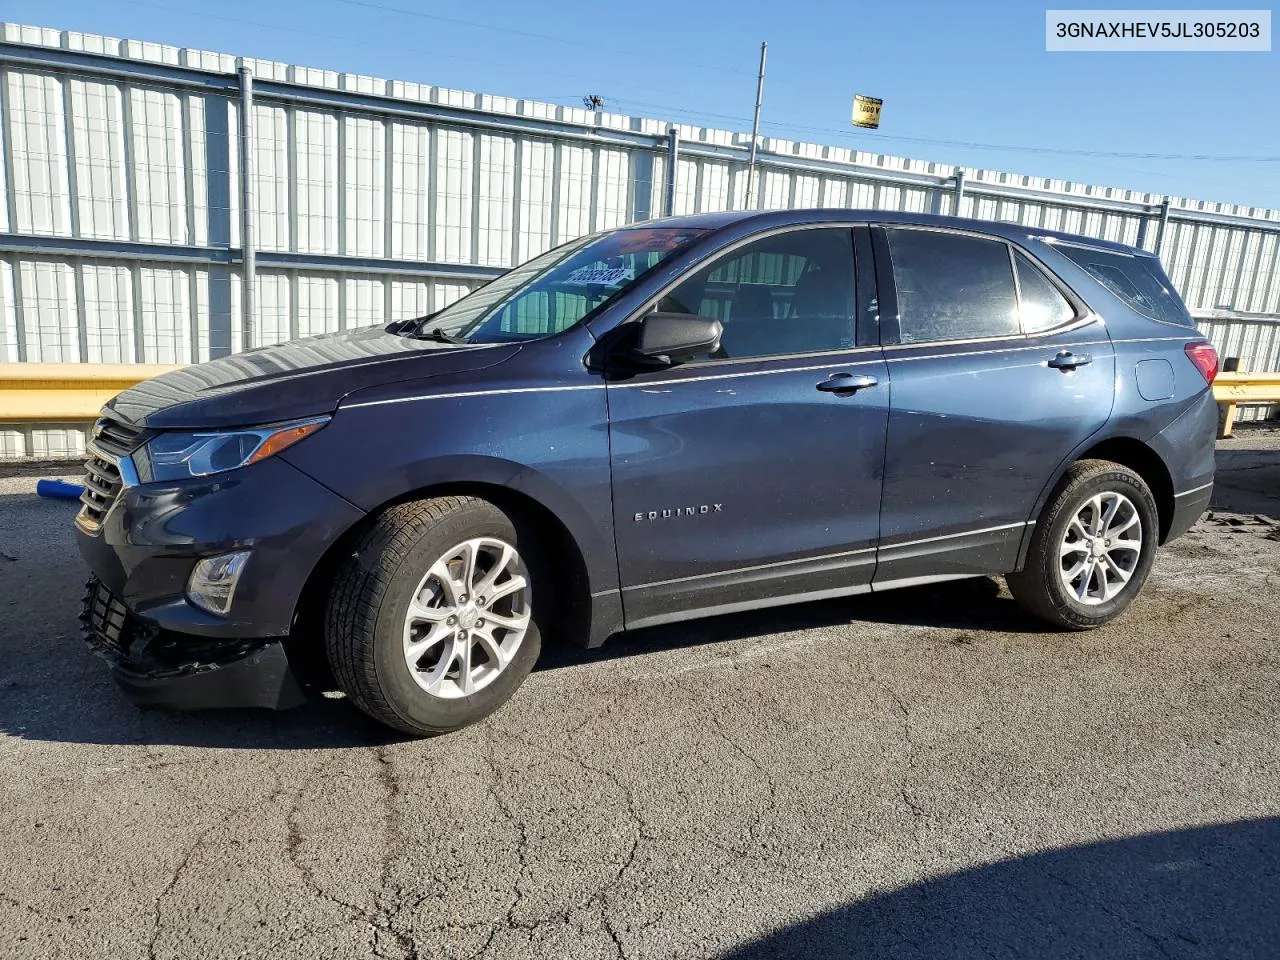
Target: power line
column 379, row 44
column 681, row 111
column 936, row 141
column 599, row 48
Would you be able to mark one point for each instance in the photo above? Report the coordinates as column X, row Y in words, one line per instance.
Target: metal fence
column 129, row 231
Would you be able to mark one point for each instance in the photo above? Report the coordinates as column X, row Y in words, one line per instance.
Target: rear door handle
column 1067, row 360
column 847, row 384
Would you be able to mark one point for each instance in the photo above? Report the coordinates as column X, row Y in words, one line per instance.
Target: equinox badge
column 679, row 512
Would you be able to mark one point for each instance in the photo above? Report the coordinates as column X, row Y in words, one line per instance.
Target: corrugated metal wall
column 120, row 234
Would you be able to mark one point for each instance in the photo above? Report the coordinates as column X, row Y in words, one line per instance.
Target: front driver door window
column 742, row 476
column 791, row 293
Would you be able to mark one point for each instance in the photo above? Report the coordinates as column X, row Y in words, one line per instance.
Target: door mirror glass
column 667, row 338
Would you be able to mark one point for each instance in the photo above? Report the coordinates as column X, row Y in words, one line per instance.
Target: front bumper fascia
column 153, row 535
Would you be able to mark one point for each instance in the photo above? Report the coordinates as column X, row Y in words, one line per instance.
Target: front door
column 753, row 476
column 995, row 383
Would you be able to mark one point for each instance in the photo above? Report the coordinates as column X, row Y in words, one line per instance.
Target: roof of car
column 1000, row 228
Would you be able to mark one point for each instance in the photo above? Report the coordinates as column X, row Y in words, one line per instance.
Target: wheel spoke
column 516, row 582
column 414, row 650
column 469, row 551
column 493, row 648
column 1116, row 529
column 1082, row 592
column 1095, row 509
column 1073, row 546
column 465, row 679
column 421, row 612
column 485, row 585
column 436, row 676
column 518, row 621
column 1070, row 575
column 452, row 587
column 1125, row 546
column 1109, row 514
column 1120, row 572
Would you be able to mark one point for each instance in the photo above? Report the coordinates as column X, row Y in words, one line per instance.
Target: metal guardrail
column 75, row 392
column 1230, row 389
column 65, row 392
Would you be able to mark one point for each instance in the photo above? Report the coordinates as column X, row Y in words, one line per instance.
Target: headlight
column 177, row 456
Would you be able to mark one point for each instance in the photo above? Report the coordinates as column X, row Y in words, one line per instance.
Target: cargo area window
column 1139, row 281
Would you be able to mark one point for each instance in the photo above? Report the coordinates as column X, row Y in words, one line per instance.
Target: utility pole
column 755, row 126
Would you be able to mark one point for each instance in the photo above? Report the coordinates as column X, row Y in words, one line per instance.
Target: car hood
column 302, row 378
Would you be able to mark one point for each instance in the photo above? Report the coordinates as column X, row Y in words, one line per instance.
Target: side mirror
column 667, row 338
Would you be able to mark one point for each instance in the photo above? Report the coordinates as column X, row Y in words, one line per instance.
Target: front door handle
column 847, row 384
column 1067, row 360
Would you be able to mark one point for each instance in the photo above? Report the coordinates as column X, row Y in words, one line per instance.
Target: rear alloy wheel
column 1100, row 548
column 431, row 623
column 1092, row 547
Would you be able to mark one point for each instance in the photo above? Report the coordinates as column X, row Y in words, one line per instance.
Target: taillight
column 1205, row 358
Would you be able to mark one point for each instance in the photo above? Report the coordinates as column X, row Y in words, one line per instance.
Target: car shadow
column 976, row 604
column 1201, row 892
column 60, row 693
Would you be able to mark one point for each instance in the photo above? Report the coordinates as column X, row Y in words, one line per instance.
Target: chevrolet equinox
column 670, row 420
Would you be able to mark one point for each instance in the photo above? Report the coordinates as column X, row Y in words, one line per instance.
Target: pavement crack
column 755, row 826
column 918, row 812
column 157, row 922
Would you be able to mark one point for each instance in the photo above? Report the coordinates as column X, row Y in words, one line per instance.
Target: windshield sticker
column 600, row 276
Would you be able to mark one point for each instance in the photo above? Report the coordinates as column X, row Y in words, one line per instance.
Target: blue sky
column 946, row 71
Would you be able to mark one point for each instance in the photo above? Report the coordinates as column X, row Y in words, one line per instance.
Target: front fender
column 550, row 444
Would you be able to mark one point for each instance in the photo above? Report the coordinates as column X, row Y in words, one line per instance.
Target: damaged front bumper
column 160, row 668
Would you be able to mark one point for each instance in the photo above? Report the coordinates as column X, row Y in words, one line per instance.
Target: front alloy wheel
column 431, row 622
column 467, row 618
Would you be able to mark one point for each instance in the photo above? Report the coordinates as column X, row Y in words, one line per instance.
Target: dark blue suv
column 669, row 420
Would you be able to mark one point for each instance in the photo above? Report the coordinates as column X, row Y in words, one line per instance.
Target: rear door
column 998, row 374
column 753, row 475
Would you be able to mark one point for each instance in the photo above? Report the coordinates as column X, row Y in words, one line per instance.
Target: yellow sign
column 866, row 111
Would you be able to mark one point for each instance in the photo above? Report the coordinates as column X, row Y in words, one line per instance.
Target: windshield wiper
column 435, row 333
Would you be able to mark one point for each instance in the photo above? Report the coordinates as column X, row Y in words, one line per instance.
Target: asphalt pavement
column 920, row 774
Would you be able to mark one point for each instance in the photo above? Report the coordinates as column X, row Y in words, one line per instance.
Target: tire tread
column 1028, row 585
column 356, row 595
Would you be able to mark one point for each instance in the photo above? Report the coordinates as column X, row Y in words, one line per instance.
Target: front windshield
column 555, row 291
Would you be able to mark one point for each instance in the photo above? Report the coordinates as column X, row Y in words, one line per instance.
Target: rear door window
column 1042, row 306
column 951, row 286
column 1139, row 281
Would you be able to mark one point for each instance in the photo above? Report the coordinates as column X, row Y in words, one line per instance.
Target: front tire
column 430, row 624
column 1092, row 547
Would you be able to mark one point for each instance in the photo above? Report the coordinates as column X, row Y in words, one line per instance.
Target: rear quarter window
column 1139, row 281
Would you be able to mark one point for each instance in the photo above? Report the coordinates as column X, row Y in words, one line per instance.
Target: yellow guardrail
column 1230, row 389
column 52, row 392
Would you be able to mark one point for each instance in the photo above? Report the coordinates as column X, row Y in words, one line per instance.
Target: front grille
column 101, row 487
column 111, row 440
column 116, row 437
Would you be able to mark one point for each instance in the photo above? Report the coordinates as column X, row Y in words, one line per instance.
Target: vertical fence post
column 247, row 249
column 1164, row 222
column 673, row 168
column 959, row 192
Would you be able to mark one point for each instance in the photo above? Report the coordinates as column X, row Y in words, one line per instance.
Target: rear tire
column 1092, row 547
column 409, row 639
